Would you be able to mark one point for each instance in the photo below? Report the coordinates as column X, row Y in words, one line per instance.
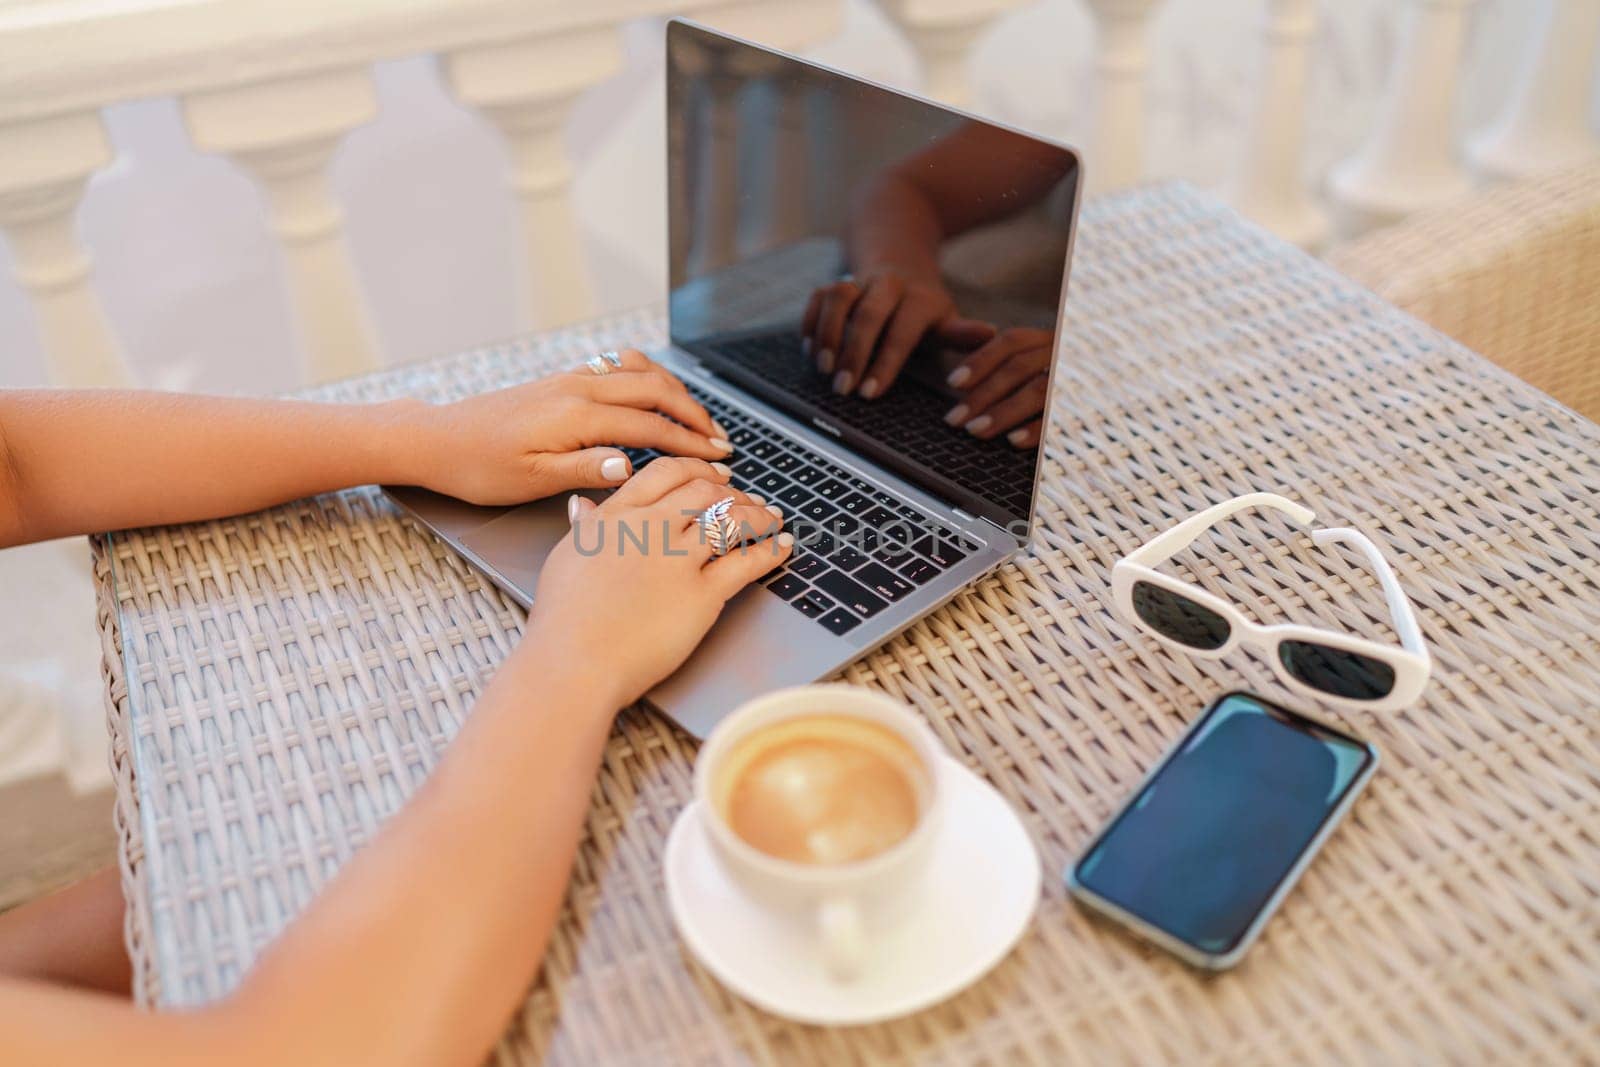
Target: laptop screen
column 880, row 267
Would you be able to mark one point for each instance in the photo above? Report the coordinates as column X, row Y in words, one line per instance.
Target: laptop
column 784, row 177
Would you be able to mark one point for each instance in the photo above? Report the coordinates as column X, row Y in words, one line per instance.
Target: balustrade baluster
column 1116, row 142
column 1545, row 123
column 44, row 165
column 1271, row 188
column 1409, row 160
column 284, row 133
column 942, row 32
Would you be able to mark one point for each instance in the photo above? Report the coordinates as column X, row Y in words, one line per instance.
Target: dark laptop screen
column 878, row 266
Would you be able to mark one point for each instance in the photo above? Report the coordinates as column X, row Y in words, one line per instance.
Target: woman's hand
column 1006, row 383
column 559, row 433
column 632, row 590
column 862, row 332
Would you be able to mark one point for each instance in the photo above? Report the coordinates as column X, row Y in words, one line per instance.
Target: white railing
column 277, row 85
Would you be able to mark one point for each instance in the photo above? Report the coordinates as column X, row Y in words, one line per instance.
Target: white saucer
column 981, row 889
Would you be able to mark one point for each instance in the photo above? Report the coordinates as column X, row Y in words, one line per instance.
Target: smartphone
column 1214, row 838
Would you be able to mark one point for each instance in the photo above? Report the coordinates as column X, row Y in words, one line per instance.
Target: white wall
column 193, row 286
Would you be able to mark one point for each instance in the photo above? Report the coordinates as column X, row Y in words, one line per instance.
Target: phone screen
column 1213, row 839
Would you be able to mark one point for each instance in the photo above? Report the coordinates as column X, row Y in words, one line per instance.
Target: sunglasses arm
column 1405, row 619
column 1163, row 547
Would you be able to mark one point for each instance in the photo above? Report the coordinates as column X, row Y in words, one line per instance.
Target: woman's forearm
column 421, row 947
column 77, row 462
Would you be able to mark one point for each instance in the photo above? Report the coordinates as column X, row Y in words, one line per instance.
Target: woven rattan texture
column 291, row 676
column 1512, row 273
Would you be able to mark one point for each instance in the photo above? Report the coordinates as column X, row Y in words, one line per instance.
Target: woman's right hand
column 633, row 588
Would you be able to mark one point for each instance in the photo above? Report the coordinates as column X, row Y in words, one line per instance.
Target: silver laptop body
column 773, row 167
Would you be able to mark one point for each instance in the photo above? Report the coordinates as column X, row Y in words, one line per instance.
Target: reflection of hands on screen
column 863, row 331
column 1004, row 385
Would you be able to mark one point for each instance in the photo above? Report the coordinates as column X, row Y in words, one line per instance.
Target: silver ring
column 604, row 363
column 718, row 527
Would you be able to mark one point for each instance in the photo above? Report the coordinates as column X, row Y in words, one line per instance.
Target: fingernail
column 979, row 424
column 843, row 381
column 716, row 427
column 614, row 469
column 572, row 508
column 721, row 444
column 957, row 415
column 757, row 497
column 1018, row 437
column 723, row 469
column 777, row 512
column 786, row 539
column 869, row 388
column 959, row 375
column 825, row 361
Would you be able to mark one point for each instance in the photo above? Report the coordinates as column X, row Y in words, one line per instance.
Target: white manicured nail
column 959, row 375
column 723, row 469
column 777, row 512
column 614, row 469
column 957, row 415
column 721, row 444
column 716, row 428
column 825, row 361
column 572, row 508
column 869, row 388
column 1018, row 437
column 843, row 381
column 786, row 539
column 979, row 424
column 757, row 497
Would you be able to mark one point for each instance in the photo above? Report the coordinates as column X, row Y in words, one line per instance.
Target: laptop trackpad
column 515, row 545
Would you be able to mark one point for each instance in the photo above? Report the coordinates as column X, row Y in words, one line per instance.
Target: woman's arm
column 79, row 462
column 420, row 948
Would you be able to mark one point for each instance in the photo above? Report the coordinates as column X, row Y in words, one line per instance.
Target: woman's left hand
column 559, row 433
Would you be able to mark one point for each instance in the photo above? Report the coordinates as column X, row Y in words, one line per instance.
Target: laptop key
column 806, row 475
column 885, row 582
column 748, row 469
column 770, row 482
column 812, row 605
column 785, row 461
column 856, row 504
column 846, row 558
column 807, row 565
column 832, row 488
column 817, row 510
column 788, row 586
column 840, row 621
column 794, row 496
column 851, row 593
column 763, row 449
column 941, row 551
column 918, row 571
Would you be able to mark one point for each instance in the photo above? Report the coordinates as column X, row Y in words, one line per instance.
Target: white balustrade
column 274, row 85
column 284, row 133
column 943, row 32
column 1545, row 123
column 1271, row 188
column 1116, row 141
column 527, row 88
column 44, row 164
column 1409, row 161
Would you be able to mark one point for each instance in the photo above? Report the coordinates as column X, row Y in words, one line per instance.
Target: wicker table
column 280, row 682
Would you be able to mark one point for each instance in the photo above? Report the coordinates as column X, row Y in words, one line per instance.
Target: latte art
column 821, row 789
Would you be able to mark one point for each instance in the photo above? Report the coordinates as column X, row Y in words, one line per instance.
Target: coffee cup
column 823, row 804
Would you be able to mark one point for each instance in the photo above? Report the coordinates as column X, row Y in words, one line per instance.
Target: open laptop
column 783, row 177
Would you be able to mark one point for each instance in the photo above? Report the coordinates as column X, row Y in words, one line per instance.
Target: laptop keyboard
column 857, row 548
column 908, row 418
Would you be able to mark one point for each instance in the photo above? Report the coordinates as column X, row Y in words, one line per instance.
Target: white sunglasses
column 1326, row 664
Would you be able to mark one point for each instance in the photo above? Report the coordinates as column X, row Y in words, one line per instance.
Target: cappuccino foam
column 821, row 789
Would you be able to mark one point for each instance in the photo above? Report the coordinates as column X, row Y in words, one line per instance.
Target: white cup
column 842, row 902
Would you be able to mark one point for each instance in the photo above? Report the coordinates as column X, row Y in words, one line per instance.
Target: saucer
column 981, row 888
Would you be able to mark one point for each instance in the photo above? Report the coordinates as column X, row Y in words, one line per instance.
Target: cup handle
column 843, row 937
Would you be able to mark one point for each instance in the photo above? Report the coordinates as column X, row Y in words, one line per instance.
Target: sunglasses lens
column 1177, row 618
column 1333, row 670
